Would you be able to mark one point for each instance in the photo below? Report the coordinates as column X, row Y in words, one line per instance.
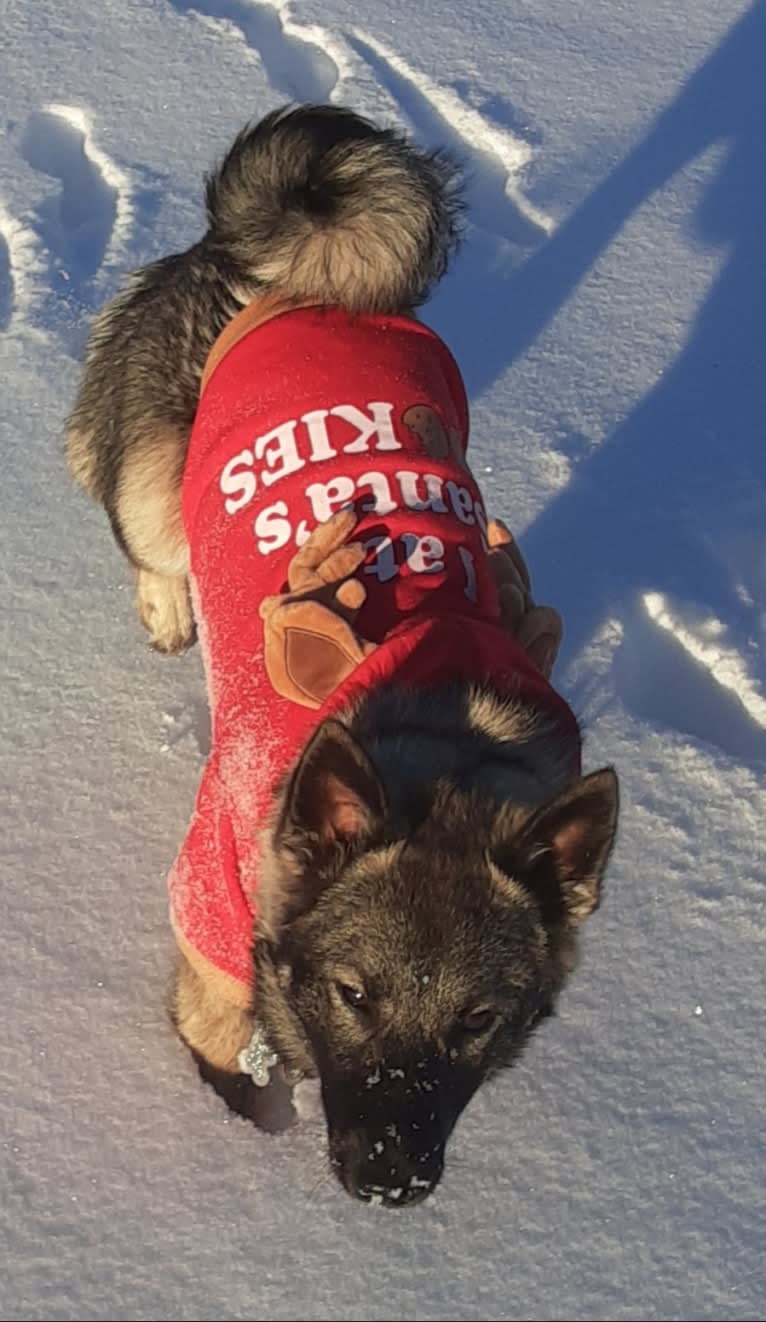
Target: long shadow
column 674, row 500
column 721, row 100
column 486, row 176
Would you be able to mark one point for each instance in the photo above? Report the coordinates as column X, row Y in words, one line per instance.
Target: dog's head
column 403, row 970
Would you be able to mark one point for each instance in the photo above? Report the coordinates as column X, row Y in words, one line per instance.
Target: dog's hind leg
column 146, row 516
column 164, row 608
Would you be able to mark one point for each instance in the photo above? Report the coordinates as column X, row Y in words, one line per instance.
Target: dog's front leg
column 216, row 1032
column 214, row 1029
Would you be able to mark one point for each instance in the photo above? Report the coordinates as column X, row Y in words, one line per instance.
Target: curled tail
column 316, row 201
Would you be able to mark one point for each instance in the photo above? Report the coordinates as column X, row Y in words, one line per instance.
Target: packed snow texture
column 608, row 310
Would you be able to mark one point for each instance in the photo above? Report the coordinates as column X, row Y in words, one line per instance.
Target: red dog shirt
column 307, row 413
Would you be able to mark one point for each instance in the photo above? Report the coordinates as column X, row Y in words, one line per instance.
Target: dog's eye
column 478, row 1020
column 353, row 996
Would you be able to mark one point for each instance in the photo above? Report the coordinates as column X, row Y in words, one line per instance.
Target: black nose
column 384, row 1172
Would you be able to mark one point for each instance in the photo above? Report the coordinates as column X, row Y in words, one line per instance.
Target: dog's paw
column 164, row 608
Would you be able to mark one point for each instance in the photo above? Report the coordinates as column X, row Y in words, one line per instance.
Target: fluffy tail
column 316, row 201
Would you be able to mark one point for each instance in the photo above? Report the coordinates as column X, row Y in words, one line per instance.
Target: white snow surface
column 608, row 310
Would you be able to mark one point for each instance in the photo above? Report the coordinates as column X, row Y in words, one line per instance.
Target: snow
column 608, row 312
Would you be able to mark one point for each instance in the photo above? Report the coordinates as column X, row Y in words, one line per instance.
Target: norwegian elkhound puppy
column 429, row 850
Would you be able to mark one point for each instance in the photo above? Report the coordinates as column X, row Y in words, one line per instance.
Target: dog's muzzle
column 385, row 1171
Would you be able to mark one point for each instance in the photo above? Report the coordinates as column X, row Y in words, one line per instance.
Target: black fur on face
column 404, row 970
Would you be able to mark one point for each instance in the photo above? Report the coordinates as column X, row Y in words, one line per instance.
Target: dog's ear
column 560, row 852
column 335, row 793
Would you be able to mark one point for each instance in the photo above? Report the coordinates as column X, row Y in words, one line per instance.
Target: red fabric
column 260, row 475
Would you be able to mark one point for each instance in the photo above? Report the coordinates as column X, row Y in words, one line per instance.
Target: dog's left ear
column 335, row 793
column 560, row 852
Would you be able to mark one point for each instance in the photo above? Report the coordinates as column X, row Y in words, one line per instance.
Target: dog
column 415, row 836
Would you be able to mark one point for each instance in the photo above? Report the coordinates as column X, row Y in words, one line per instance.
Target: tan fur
column 148, row 506
column 501, row 718
column 513, row 890
column 164, row 608
column 81, row 458
column 148, row 503
column 361, row 264
column 209, row 1024
column 508, row 721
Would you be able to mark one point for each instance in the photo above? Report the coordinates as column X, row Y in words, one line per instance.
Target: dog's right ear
column 335, row 794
